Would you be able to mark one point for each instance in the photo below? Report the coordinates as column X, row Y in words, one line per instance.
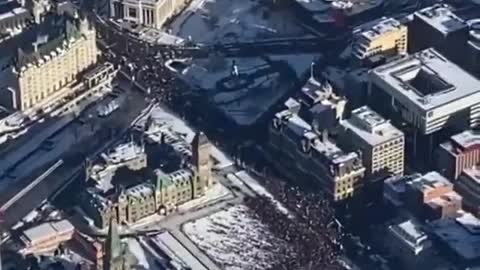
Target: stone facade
column 161, row 195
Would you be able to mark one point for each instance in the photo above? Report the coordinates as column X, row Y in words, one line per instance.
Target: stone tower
column 114, row 258
column 201, row 149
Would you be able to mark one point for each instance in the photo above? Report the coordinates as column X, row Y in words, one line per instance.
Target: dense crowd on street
column 312, row 240
column 312, row 236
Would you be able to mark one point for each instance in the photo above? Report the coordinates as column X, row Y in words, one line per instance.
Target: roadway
column 105, row 131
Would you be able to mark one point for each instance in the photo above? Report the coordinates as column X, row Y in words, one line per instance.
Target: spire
column 199, row 139
column 113, row 245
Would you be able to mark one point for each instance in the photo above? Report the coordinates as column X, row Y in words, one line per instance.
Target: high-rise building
column 39, row 64
column 305, row 150
column 151, row 13
column 425, row 93
column 460, row 152
column 437, row 26
column 385, row 36
column 381, row 144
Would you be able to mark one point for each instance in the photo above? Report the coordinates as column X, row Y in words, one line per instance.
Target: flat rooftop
column 349, row 6
column 426, row 80
column 379, row 27
column 462, row 235
column 411, row 233
column 464, row 141
column 371, row 127
column 430, row 181
column 47, row 230
column 441, row 18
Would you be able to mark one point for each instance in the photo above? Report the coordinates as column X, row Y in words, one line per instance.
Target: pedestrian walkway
column 192, row 248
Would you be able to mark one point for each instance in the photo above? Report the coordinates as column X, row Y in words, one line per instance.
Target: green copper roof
column 113, row 245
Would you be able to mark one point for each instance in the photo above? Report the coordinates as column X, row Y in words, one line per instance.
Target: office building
column 150, row 13
column 459, row 238
column 425, row 93
column 437, row 26
column 394, row 189
column 385, row 36
column 381, row 144
column 356, row 87
column 473, row 51
column 305, row 150
column 461, row 151
column 46, row 237
column 468, row 186
column 38, row 65
column 409, row 241
column 432, row 197
column 160, row 193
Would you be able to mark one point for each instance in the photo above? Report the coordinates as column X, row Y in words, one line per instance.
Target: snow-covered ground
column 234, row 239
column 253, row 184
column 260, row 85
column 213, row 195
column 167, row 121
column 229, row 21
column 211, row 21
column 143, row 258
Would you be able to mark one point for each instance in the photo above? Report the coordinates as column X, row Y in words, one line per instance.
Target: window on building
column 132, row 12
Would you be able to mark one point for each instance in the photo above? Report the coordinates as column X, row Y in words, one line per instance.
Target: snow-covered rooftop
column 371, row 127
column 411, row 233
column 441, row 18
column 47, row 230
column 407, row 79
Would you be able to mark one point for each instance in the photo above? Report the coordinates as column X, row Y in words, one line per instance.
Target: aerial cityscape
column 239, row 134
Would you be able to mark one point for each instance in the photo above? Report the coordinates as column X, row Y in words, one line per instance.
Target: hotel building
column 44, row 60
column 307, row 152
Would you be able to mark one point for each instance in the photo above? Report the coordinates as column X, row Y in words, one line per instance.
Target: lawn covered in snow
column 234, row 240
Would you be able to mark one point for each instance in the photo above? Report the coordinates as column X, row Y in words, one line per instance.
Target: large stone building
column 305, row 150
column 151, row 13
column 162, row 193
column 460, row 152
column 38, row 65
column 381, row 144
column 385, row 36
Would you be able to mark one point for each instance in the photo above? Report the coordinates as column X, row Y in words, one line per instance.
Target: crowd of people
column 312, row 235
column 312, row 241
